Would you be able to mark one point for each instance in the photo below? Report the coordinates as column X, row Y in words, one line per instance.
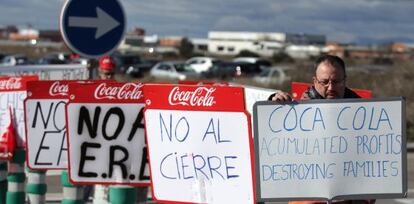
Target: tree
column 280, row 57
column 247, row 53
column 186, row 48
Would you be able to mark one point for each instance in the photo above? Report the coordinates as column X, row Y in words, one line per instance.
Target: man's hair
column 335, row 61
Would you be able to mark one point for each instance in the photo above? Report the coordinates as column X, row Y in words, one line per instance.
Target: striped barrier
column 36, row 187
column 100, row 194
column 122, row 194
column 3, row 181
column 72, row 194
column 16, row 178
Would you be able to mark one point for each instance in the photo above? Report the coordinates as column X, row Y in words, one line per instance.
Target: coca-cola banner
column 46, row 142
column 199, row 144
column 186, row 97
column 106, row 134
column 12, row 94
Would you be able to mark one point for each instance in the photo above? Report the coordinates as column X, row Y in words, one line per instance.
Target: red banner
column 186, row 97
column 8, row 83
column 106, row 92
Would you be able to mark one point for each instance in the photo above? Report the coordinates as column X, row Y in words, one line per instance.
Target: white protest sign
column 254, row 94
column 12, row 94
column 199, row 144
column 48, row 72
column 106, row 134
column 45, row 124
column 330, row 149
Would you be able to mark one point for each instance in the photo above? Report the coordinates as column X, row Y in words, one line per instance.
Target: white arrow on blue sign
column 93, row 28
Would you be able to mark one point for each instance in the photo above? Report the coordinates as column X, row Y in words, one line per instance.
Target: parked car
column 80, row 60
column 254, row 60
column 173, row 70
column 139, row 69
column 55, row 58
column 13, row 60
column 272, row 76
column 125, row 61
column 201, row 64
column 226, row 70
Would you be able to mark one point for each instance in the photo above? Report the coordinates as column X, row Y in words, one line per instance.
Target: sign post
column 92, row 28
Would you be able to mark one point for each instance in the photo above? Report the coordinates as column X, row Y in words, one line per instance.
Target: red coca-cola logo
column 126, row 91
column 202, row 96
column 59, row 89
column 11, row 84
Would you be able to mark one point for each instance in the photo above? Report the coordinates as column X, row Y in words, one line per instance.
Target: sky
column 345, row 21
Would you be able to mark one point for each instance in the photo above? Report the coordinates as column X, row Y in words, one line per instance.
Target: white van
column 201, row 64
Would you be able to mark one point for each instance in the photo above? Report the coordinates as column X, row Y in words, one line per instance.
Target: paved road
column 55, row 190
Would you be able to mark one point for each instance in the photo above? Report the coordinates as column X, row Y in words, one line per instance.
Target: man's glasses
column 326, row 83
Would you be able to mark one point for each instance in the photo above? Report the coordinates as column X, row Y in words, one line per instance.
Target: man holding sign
column 328, row 83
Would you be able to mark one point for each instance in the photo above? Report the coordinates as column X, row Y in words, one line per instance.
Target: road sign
column 92, row 28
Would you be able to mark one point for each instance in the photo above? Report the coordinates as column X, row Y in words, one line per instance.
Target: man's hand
column 281, row 96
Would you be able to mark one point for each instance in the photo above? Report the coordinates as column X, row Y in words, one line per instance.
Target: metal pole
column 3, row 181
column 72, row 194
column 122, row 194
column 36, row 187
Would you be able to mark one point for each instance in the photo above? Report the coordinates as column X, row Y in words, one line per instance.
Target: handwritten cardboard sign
column 330, row 149
column 254, row 94
column 12, row 94
column 199, row 144
column 106, row 134
column 44, row 107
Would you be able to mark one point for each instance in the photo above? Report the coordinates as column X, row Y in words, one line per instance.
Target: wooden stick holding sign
column 344, row 149
column 199, row 144
column 106, row 135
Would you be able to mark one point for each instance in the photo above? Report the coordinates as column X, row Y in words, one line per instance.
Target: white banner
column 13, row 99
column 48, row 72
column 46, row 130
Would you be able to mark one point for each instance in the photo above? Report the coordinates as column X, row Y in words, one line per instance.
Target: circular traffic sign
column 92, row 28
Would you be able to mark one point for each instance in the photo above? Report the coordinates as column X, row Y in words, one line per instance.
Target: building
column 333, row 48
column 200, row 45
column 25, row 34
column 265, row 44
column 232, row 43
column 305, row 39
column 5, row 31
column 171, row 41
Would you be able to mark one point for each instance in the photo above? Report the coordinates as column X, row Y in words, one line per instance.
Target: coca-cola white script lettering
column 11, row 83
column 127, row 91
column 59, row 89
column 202, row 96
